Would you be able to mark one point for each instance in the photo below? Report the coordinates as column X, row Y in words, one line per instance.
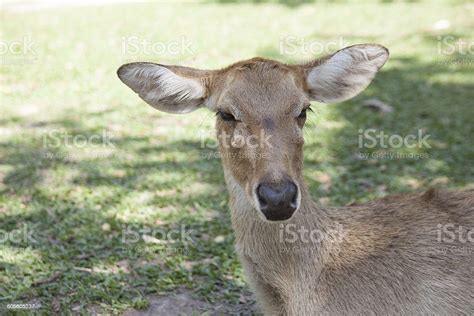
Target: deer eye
column 226, row 116
column 302, row 114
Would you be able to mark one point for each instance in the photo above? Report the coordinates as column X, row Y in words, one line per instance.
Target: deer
column 394, row 255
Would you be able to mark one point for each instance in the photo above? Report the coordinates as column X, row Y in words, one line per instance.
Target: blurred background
column 108, row 206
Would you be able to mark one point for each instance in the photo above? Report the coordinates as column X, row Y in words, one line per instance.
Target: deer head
column 261, row 110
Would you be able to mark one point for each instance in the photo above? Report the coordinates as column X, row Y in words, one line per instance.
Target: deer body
column 384, row 257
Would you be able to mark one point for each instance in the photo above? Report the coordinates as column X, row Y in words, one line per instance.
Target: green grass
column 78, row 201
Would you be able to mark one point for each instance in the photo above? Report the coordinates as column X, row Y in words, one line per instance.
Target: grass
column 80, row 202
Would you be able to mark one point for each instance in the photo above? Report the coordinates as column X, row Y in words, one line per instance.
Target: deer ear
column 344, row 74
column 172, row 89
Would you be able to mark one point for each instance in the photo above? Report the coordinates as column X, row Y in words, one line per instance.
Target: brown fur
column 388, row 261
column 382, row 257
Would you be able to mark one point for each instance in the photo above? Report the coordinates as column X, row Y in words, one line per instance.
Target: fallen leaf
column 49, row 279
column 324, row 201
column 325, row 180
column 351, row 203
column 83, row 256
column 378, row 105
column 152, row 240
column 119, row 173
column 56, row 305
column 219, row 239
column 441, row 25
column 439, row 181
column 188, row 265
column 412, row 183
column 364, row 183
column 106, row 227
column 124, row 266
column 382, row 188
column 166, row 193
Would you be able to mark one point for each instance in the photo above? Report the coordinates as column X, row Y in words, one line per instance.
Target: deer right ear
column 344, row 74
column 170, row 89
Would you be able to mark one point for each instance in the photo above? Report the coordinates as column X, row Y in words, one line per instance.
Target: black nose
column 277, row 201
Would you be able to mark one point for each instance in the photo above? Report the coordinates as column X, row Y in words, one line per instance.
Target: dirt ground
column 185, row 303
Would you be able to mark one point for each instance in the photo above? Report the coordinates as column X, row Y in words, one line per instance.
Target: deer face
column 261, row 110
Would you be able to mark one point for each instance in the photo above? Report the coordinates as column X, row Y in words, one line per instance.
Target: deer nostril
column 261, row 196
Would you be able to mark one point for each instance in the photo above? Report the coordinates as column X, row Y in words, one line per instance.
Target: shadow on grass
column 82, row 231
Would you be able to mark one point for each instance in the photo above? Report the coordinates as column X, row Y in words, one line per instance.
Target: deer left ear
column 344, row 74
column 172, row 89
